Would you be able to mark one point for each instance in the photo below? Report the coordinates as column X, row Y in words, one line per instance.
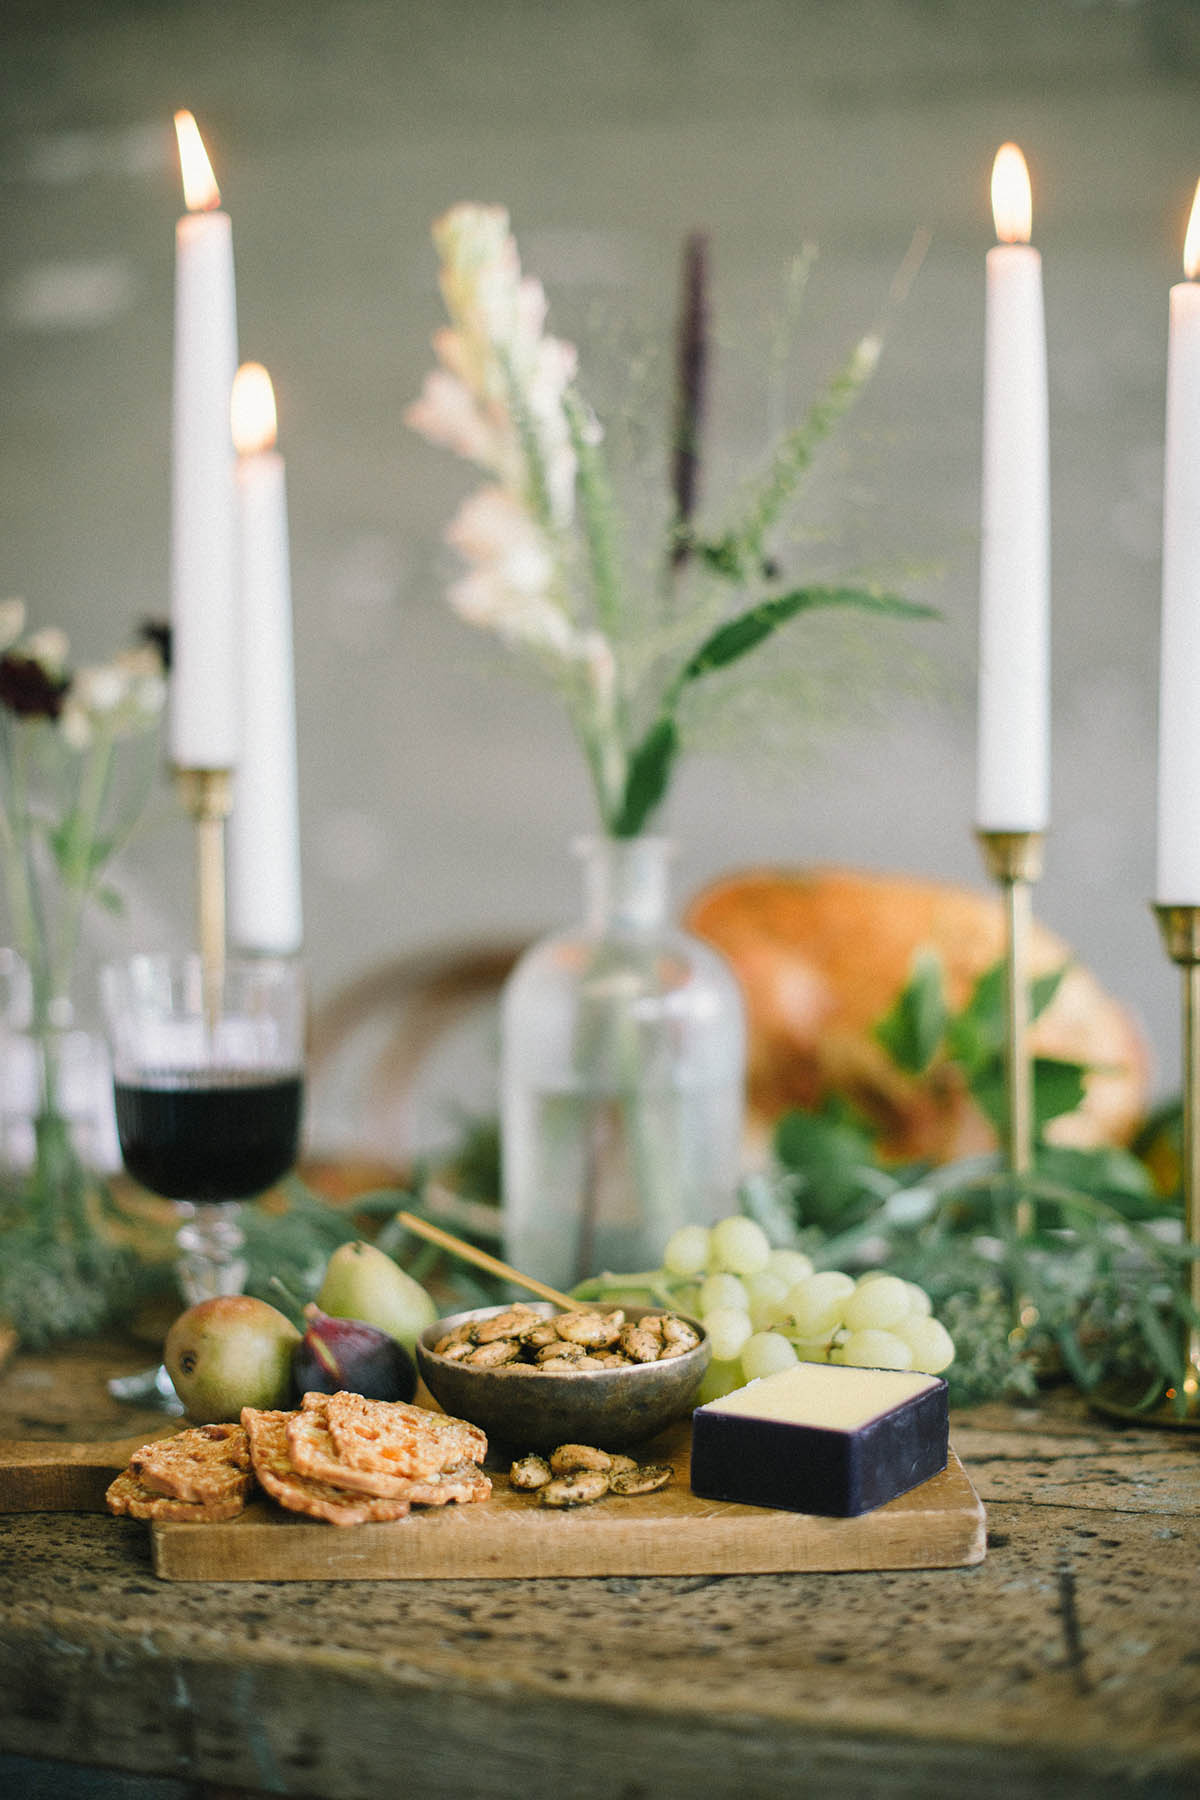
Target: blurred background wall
column 439, row 791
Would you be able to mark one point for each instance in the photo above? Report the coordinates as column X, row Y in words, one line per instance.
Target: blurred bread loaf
column 822, row 954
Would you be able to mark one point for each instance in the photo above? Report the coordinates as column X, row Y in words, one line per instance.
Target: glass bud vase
column 622, row 1081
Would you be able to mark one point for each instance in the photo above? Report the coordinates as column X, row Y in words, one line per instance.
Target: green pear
column 230, row 1352
column 362, row 1283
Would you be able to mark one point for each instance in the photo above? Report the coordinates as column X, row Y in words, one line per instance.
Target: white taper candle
column 203, row 728
column 1178, row 882
column 264, row 827
column 1014, row 615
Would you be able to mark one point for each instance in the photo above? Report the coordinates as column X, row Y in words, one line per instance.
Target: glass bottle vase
column 623, row 1051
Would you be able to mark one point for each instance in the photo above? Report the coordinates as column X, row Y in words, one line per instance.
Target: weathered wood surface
column 1067, row 1664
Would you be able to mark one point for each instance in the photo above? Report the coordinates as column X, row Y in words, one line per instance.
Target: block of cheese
column 819, row 1438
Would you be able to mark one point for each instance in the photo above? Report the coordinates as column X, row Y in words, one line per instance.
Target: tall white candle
column 1179, row 678
column 1014, row 614
column 203, row 728
column 264, row 827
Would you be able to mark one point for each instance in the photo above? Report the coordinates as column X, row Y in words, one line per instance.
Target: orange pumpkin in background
column 822, row 955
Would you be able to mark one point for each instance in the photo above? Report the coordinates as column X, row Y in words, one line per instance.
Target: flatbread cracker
column 395, row 1438
column 206, row 1464
column 129, row 1495
column 314, row 1454
column 279, row 1477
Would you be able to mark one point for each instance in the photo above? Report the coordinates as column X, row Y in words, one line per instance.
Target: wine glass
column 208, row 1072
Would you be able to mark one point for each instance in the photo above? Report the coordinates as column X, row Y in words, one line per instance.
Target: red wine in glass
column 215, row 1137
column 208, row 1084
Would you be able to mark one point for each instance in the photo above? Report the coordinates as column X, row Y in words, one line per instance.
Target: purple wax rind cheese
column 821, row 1439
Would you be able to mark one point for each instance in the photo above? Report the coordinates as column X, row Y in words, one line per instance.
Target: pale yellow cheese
column 824, row 1395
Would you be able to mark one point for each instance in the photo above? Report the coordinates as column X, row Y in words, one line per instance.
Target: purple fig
column 346, row 1353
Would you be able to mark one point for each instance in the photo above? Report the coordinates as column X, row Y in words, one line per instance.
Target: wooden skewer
column 483, row 1260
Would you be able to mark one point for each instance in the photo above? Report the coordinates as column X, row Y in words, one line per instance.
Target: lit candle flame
column 1012, row 202
column 200, row 190
column 252, row 410
column 1191, row 243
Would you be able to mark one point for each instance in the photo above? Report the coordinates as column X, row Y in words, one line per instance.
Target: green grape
column 720, row 1378
column 686, row 1299
column 873, row 1350
column 722, row 1290
column 921, row 1304
column 765, row 1354
column 739, row 1246
column 687, row 1250
column 931, row 1345
column 878, row 1303
column 767, row 1294
column 728, row 1328
column 811, row 1349
column 790, row 1265
column 815, row 1305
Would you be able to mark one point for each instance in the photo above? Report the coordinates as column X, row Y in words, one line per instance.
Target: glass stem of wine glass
column 209, row 1245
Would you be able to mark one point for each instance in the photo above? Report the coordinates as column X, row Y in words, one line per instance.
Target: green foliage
column 63, row 1276
column 919, row 1030
column 913, row 1031
column 1103, row 1273
column 651, row 761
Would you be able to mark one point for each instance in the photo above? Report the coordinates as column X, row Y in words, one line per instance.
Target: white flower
column 120, row 698
column 12, row 621
column 486, row 598
column 49, row 648
column 75, row 724
column 101, row 688
column 446, row 414
column 502, row 383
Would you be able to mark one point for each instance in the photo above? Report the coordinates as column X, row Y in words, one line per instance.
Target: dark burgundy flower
column 29, row 689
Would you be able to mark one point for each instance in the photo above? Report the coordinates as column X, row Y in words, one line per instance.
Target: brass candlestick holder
column 1014, row 861
column 1180, row 927
column 207, row 795
column 1180, row 1405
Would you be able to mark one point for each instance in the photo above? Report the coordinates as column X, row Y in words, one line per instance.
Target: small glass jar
column 622, row 1085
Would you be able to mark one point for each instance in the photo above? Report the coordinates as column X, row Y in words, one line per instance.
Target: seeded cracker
column 278, row 1476
column 314, row 1454
column 206, row 1464
column 130, row 1496
column 394, row 1438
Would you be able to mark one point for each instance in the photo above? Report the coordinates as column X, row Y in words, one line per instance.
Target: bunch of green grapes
column 765, row 1309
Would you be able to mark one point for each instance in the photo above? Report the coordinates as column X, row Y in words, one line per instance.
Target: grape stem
column 655, row 1282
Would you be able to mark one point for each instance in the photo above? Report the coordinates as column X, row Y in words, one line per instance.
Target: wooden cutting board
column 938, row 1525
column 49, row 1477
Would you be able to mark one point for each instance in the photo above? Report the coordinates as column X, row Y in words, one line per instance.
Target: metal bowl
column 531, row 1410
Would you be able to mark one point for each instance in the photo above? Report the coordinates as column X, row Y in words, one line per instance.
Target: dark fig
column 346, row 1353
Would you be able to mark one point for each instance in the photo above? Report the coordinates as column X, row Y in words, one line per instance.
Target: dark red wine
column 215, row 1137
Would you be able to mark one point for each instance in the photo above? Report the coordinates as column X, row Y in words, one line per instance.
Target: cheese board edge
column 941, row 1524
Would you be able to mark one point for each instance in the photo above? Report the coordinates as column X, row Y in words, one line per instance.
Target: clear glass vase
column 623, row 1051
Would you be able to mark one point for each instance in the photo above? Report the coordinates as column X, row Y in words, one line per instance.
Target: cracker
column 314, row 1454
column 206, row 1464
column 277, row 1474
column 129, row 1495
column 394, row 1438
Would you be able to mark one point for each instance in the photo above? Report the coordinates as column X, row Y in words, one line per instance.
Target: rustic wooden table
column 1066, row 1664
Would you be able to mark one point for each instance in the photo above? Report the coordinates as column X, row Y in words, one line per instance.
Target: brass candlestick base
column 207, row 795
column 1014, row 860
column 1180, row 1406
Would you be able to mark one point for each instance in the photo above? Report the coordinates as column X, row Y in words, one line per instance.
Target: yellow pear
column 362, row 1283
